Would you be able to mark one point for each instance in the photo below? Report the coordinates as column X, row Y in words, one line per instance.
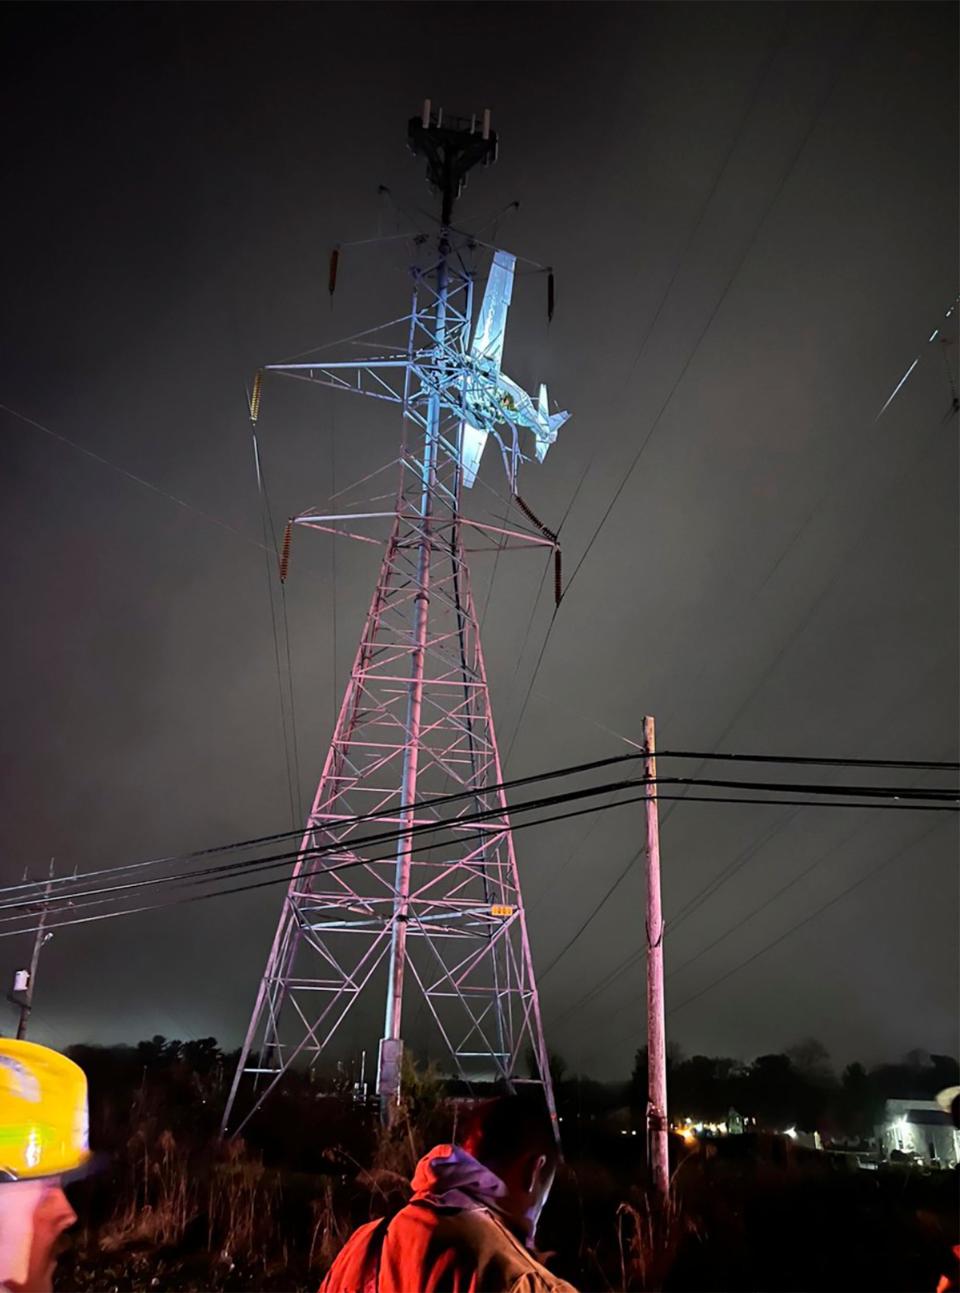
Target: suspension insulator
column 285, row 552
column 551, row 295
column 557, row 577
column 334, row 264
column 535, row 520
column 255, row 395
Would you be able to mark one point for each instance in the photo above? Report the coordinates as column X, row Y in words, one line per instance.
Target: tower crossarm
column 380, row 378
column 465, row 389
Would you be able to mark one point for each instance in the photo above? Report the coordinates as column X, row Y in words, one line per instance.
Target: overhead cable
column 818, row 911
column 359, row 862
column 947, row 795
column 131, row 476
column 751, row 243
column 343, row 823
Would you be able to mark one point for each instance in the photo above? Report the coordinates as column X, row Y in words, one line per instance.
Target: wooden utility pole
column 40, row 937
column 657, row 1132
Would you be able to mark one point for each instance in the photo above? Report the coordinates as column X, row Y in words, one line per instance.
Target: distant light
column 633, row 1133
column 934, row 334
column 791, row 1132
column 900, row 1124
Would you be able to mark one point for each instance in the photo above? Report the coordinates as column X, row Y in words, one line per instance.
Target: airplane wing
column 492, row 321
column 471, row 451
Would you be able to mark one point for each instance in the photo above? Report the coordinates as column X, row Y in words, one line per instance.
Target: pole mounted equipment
column 416, row 719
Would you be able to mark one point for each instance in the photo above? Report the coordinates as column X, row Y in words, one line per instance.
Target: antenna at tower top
column 452, row 147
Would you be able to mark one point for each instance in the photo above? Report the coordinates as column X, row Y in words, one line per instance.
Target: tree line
column 797, row 1088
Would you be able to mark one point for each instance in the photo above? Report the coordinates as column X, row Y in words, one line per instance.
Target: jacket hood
column 449, row 1177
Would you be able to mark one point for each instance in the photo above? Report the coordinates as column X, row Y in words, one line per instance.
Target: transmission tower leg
column 390, row 1060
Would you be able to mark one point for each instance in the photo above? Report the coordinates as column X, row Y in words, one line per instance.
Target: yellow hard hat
column 43, row 1113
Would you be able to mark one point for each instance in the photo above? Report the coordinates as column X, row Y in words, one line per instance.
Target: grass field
column 179, row 1209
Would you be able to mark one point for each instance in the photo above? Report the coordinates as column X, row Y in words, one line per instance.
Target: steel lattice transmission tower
column 416, row 722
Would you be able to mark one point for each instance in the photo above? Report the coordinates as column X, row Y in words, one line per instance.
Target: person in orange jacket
column 470, row 1223
column 43, row 1143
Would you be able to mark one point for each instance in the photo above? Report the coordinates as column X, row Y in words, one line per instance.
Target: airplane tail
column 550, row 424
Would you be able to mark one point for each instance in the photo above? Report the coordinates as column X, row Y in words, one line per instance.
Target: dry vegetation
column 179, row 1209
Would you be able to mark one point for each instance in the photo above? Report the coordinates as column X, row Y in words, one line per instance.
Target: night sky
column 779, row 574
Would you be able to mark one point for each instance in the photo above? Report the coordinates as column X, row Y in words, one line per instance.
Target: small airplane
column 475, row 388
column 491, row 397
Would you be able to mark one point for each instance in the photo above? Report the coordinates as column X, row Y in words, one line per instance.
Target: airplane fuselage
column 495, row 397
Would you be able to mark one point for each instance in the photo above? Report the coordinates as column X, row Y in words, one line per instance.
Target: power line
column 533, row 612
column 392, row 834
column 501, row 544
column 768, row 672
column 635, row 957
column 549, row 775
column 266, row 864
column 811, row 760
column 333, row 559
column 716, row 882
column 709, row 322
column 291, row 752
column 387, row 836
column 800, row 788
column 867, row 792
column 602, row 903
column 275, row 861
column 808, row 134
column 736, row 864
column 804, row 921
column 605, row 982
column 280, row 859
column 855, row 452
column 767, row 63
column 808, row 615
column 555, row 877
column 205, row 873
column 708, row 199
column 694, row 903
column 293, row 703
column 343, row 823
column 131, row 476
column 533, row 676
column 755, row 911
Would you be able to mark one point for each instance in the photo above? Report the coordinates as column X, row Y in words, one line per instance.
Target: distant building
column 919, row 1129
